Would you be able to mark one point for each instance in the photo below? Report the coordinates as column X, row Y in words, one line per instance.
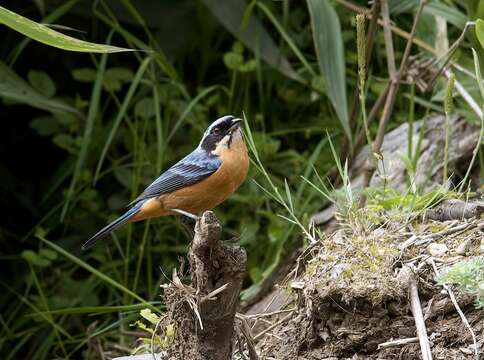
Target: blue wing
column 195, row 167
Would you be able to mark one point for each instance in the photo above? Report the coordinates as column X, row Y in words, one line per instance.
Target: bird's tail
column 123, row 219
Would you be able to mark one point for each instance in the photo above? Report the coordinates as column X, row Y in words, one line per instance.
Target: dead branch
column 454, row 209
column 419, row 321
column 204, row 314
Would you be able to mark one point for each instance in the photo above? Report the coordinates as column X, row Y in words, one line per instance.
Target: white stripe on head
column 218, row 122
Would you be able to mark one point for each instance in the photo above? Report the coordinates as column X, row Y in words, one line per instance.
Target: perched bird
column 198, row 182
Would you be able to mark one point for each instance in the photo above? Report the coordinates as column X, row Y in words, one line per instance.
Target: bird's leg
column 187, row 214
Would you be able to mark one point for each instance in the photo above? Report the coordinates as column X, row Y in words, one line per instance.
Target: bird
column 200, row 181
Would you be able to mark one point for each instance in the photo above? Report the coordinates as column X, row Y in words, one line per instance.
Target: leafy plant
column 468, row 275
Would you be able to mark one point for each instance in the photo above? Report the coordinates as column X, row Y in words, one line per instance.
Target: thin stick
column 419, row 321
column 458, row 309
column 273, row 326
column 245, row 329
column 257, row 316
column 398, row 342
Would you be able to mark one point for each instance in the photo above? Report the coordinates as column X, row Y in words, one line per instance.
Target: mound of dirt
column 352, row 299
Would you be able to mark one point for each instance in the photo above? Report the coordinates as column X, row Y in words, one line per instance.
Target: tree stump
column 203, row 314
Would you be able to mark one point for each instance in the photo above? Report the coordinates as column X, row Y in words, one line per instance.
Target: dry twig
column 419, row 321
column 398, row 342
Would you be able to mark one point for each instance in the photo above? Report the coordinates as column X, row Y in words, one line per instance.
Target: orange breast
column 208, row 193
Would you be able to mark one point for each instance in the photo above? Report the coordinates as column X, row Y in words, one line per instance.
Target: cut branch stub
column 217, row 270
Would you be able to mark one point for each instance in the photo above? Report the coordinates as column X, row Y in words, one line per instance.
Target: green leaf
column 42, row 82
column 13, row 87
column 451, row 14
column 145, row 108
column 66, row 142
column 150, row 316
column 251, row 33
column 84, row 74
column 35, row 259
column 45, row 125
column 330, row 53
column 435, row 8
column 45, row 35
column 49, row 254
column 114, row 78
column 233, row 60
column 480, row 31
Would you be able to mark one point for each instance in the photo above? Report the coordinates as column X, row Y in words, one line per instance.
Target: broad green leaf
column 145, row 108
column 84, row 74
column 251, row 33
column 14, row 88
column 48, row 36
column 451, row 14
column 42, row 82
column 435, row 8
column 330, row 52
column 45, row 125
column 150, row 316
column 115, row 77
column 480, row 31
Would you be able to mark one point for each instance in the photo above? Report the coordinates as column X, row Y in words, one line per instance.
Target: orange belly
column 206, row 194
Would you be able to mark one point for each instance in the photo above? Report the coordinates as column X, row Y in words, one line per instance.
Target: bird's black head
column 220, row 131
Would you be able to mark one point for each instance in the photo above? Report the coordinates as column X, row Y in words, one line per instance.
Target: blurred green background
column 83, row 134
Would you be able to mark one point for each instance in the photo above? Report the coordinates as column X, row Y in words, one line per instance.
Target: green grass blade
column 480, row 31
column 453, row 15
column 97, row 273
column 58, row 12
column 48, row 36
column 328, row 42
column 122, row 113
column 95, row 309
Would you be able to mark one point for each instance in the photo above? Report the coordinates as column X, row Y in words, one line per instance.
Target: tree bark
column 214, row 266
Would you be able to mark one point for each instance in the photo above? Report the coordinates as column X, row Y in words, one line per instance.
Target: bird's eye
column 216, row 131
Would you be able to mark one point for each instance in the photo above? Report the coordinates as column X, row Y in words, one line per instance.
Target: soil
column 352, row 296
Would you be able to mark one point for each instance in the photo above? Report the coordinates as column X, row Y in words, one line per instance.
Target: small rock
column 464, row 247
column 298, row 285
column 481, row 248
column 437, row 250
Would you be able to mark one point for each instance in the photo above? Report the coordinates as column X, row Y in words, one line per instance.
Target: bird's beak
column 235, row 124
